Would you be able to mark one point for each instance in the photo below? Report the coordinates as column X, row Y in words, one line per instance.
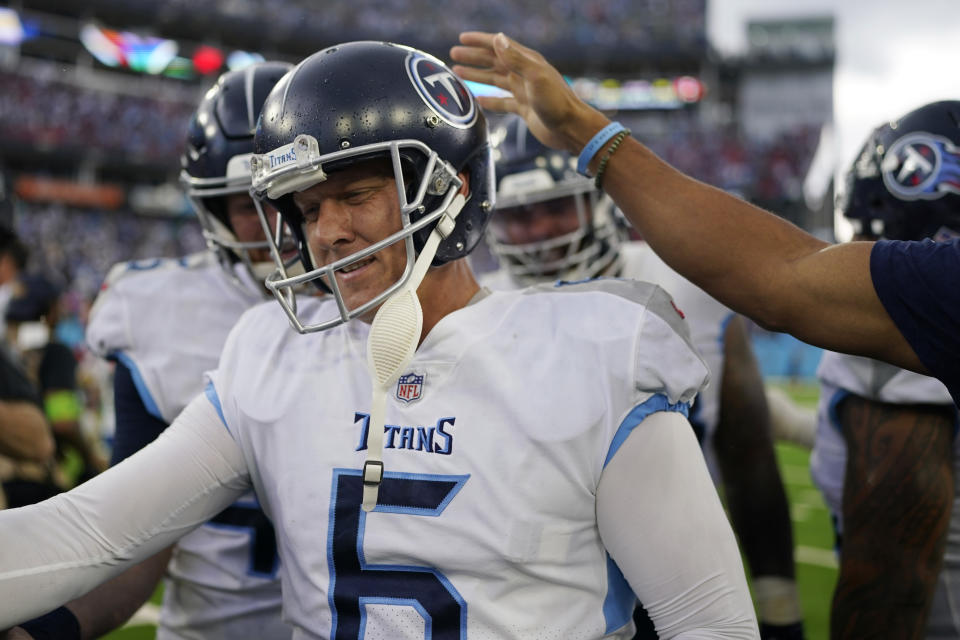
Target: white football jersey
column 841, row 375
column 167, row 321
column 495, row 439
column 706, row 318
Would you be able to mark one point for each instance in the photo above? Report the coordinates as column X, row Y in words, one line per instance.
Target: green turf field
column 812, row 532
column 813, row 541
column 812, row 529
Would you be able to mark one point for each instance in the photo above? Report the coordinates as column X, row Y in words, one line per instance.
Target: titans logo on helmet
column 922, row 166
column 443, row 92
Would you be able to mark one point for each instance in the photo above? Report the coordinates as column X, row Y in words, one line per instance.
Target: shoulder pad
column 132, row 268
column 650, row 296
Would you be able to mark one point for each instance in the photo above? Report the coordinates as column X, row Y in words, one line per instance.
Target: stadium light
column 240, row 59
column 124, row 49
column 207, row 59
column 11, row 30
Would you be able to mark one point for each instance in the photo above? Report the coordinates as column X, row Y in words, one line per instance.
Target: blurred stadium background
column 97, row 97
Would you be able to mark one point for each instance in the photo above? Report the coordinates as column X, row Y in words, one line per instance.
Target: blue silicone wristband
column 596, row 143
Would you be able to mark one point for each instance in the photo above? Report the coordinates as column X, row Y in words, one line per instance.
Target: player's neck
column 444, row 290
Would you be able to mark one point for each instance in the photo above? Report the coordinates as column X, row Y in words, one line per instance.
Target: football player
column 439, row 461
column 861, row 297
column 885, row 455
column 554, row 224
column 164, row 322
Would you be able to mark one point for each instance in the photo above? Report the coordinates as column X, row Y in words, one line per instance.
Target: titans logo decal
column 443, row 92
column 921, row 166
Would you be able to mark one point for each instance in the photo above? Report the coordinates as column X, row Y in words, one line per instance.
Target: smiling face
column 348, row 212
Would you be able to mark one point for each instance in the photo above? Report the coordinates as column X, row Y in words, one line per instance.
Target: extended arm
column 752, row 261
column 111, row 604
column 61, row 548
column 897, row 497
column 662, row 522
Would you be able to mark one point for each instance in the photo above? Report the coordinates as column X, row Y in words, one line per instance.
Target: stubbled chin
column 368, row 317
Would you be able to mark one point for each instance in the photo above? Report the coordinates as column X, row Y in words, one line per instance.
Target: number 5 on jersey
column 355, row 584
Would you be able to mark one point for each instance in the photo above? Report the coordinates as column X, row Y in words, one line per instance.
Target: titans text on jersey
column 428, row 439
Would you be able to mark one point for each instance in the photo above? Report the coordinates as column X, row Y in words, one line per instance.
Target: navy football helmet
column 364, row 100
column 534, row 181
column 216, row 162
column 905, row 182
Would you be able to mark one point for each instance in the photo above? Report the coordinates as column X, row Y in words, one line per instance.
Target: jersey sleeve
column 916, row 282
column 153, row 316
column 110, row 335
column 648, row 358
column 880, row 381
column 665, row 358
column 108, row 328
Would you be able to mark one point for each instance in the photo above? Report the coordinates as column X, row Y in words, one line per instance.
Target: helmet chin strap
column 394, row 336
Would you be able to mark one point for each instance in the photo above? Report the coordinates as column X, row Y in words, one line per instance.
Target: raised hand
column 540, row 95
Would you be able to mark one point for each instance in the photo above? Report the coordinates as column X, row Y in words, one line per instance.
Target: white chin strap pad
column 394, row 336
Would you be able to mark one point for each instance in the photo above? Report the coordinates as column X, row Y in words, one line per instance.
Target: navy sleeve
column 917, row 284
column 136, row 427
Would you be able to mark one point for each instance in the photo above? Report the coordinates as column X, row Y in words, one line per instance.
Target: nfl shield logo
column 409, row 387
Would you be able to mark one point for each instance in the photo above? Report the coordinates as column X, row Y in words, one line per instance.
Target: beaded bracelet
column 598, row 181
column 596, row 143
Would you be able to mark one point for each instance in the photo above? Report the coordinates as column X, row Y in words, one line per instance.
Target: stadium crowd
column 45, row 112
column 604, row 24
column 78, row 246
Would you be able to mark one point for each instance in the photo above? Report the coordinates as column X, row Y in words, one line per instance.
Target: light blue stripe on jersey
column 214, row 399
column 148, row 402
column 653, row 404
column 620, row 601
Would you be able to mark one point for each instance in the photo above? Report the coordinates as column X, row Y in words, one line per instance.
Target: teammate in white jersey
column 553, row 224
column 471, row 464
column 886, row 456
column 164, row 322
